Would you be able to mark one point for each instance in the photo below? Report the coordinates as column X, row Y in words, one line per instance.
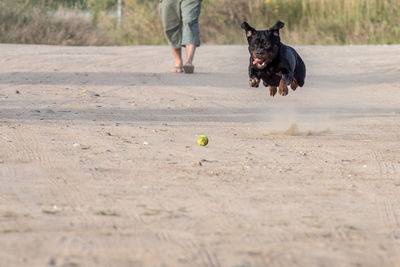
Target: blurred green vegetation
column 49, row 22
column 95, row 22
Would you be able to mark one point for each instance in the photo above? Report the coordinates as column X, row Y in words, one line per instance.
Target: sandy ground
column 99, row 164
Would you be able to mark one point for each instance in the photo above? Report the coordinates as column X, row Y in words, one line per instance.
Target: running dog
column 276, row 64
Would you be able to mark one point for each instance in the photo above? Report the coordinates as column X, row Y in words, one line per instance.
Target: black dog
column 278, row 65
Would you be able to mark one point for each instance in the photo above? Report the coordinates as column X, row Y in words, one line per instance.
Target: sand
column 99, row 164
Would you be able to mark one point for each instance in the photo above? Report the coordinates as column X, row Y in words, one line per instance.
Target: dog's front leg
column 272, row 90
column 254, row 81
column 254, row 75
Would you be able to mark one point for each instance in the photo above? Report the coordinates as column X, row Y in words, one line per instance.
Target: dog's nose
column 259, row 53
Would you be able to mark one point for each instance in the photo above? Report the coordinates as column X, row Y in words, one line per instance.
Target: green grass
column 106, row 213
column 30, row 24
column 152, row 212
column 8, row 231
column 307, row 22
column 51, row 212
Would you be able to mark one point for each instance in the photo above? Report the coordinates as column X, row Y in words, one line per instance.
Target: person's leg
column 190, row 49
column 190, row 32
column 177, row 52
column 171, row 20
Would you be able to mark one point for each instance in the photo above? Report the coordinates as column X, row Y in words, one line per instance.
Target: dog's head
column 263, row 45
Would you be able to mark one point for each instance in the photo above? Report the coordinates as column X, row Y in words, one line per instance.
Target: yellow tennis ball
column 202, row 140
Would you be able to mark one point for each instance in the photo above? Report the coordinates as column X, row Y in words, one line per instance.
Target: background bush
column 34, row 22
column 94, row 22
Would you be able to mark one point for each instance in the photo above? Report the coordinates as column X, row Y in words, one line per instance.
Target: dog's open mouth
column 259, row 63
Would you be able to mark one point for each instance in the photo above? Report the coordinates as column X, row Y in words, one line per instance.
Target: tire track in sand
column 32, row 147
column 386, row 208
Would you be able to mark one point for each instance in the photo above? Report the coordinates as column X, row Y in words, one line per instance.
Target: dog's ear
column 249, row 30
column 275, row 29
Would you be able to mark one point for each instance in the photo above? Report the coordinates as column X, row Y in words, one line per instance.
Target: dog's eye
column 266, row 45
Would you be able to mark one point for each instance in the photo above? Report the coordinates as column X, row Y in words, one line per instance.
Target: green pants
column 180, row 20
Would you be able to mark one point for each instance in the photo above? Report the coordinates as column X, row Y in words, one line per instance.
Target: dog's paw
column 283, row 88
column 283, row 91
column 272, row 91
column 254, row 82
column 294, row 85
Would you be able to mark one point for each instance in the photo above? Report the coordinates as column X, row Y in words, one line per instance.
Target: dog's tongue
column 257, row 61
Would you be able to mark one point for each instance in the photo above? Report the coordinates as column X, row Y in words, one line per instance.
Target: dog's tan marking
column 283, row 88
column 253, row 54
column 272, row 90
column 294, row 84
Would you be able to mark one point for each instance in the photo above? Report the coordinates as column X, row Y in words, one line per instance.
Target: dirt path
column 99, row 164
